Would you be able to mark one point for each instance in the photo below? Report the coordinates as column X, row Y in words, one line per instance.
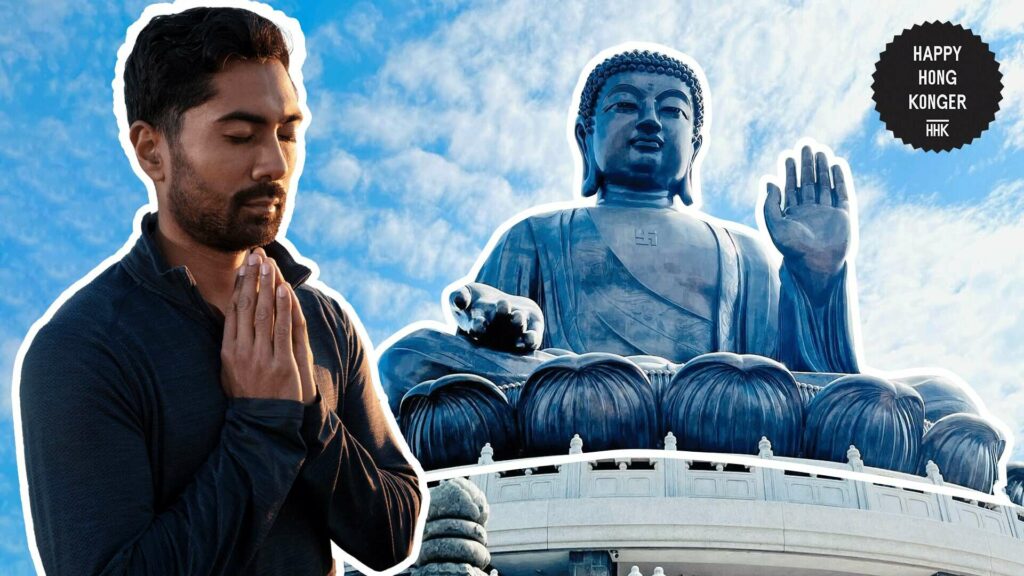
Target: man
column 197, row 408
column 632, row 275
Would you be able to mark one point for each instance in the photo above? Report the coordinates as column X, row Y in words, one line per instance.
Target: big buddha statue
column 635, row 275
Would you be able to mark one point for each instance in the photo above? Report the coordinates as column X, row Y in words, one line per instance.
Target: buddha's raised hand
column 812, row 230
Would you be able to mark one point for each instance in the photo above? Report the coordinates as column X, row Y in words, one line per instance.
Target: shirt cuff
column 267, row 415
column 319, row 425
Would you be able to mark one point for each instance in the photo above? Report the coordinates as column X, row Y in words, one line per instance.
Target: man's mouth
column 262, row 197
column 647, row 143
column 266, row 206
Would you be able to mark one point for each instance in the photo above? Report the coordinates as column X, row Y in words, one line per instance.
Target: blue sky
column 434, row 123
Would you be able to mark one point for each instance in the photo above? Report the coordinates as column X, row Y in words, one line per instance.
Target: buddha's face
column 643, row 127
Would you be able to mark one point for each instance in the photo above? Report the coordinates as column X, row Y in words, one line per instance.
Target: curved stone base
column 719, row 537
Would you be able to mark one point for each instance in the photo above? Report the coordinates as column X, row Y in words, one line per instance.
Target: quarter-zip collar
column 146, row 263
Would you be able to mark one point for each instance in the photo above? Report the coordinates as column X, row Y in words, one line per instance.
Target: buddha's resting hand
column 812, row 231
column 497, row 320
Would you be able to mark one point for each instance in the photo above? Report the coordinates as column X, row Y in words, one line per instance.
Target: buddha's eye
column 674, row 112
column 626, row 106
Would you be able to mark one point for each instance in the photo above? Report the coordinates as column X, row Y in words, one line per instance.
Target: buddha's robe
column 634, row 281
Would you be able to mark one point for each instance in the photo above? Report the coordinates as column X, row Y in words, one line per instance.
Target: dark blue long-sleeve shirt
column 137, row 462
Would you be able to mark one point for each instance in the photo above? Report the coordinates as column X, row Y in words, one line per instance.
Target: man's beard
column 216, row 224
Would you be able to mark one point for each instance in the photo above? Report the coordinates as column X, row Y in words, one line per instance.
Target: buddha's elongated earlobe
column 591, row 178
column 683, row 188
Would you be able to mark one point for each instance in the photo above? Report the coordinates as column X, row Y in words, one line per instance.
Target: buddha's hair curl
column 639, row 61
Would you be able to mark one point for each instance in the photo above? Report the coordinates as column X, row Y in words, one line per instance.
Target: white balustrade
column 678, row 478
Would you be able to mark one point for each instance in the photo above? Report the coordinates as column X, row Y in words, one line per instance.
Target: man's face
column 234, row 156
column 643, row 125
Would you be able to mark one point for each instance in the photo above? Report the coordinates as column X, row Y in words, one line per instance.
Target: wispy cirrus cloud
column 941, row 286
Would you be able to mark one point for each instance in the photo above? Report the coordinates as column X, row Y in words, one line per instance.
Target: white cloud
column 362, row 23
column 423, row 248
column 1011, row 114
column 8, row 349
column 1002, row 18
column 942, row 286
column 342, row 171
column 884, row 139
column 327, row 221
column 433, row 185
column 383, row 305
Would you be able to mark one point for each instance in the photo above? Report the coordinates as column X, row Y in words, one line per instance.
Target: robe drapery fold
column 593, row 301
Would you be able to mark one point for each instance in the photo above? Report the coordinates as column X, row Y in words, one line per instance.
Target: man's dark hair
column 637, row 61
column 175, row 57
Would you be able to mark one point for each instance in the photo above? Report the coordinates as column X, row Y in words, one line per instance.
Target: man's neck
column 214, row 271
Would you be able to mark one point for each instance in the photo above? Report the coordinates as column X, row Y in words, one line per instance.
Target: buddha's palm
column 812, row 230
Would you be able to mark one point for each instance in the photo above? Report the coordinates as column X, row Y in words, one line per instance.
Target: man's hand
column 300, row 348
column 813, row 230
column 257, row 353
column 498, row 320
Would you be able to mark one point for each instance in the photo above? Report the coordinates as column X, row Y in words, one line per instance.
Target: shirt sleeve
column 90, row 482
column 370, row 490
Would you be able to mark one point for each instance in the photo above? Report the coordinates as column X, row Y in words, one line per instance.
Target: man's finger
column 246, row 305
column 792, row 198
column 282, row 322
column 822, row 188
column 842, row 199
column 300, row 348
column 231, row 314
column 263, row 317
column 806, row 175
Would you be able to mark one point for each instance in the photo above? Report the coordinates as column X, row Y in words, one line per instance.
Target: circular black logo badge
column 937, row 86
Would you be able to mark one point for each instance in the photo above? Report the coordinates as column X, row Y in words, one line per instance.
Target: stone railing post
column 772, row 481
column 572, row 472
column 485, row 481
column 1011, row 517
column 671, row 468
column 931, row 469
column 863, row 490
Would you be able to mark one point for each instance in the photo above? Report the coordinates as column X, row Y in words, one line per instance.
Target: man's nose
column 272, row 163
column 648, row 121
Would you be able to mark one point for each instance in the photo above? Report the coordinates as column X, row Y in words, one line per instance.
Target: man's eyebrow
column 243, row 116
column 673, row 92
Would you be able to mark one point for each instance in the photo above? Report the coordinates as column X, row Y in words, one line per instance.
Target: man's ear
column 147, row 142
column 591, row 181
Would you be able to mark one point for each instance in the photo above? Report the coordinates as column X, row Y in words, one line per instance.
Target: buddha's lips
column 647, row 142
